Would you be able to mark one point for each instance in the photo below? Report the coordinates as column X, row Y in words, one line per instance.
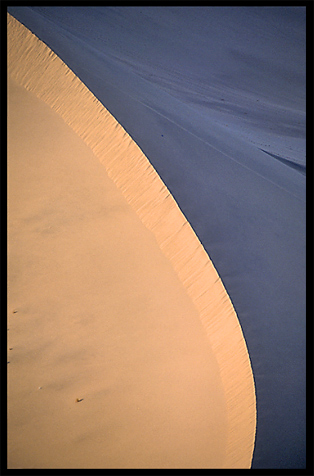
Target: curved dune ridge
column 35, row 67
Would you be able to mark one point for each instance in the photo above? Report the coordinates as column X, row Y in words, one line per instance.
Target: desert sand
column 124, row 348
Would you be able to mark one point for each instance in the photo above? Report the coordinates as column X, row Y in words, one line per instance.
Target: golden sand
column 111, row 286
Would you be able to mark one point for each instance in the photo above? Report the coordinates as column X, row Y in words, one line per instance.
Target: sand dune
column 112, row 298
column 215, row 98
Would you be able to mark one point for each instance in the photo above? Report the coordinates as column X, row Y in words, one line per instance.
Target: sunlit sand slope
column 97, row 313
column 175, row 434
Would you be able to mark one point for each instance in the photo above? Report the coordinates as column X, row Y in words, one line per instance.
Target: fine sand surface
column 107, row 303
column 101, row 316
column 215, row 99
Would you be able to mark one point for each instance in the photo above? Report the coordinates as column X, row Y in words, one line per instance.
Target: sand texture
column 112, row 299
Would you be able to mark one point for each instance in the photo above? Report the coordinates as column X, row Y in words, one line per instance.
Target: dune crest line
column 33, row 65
